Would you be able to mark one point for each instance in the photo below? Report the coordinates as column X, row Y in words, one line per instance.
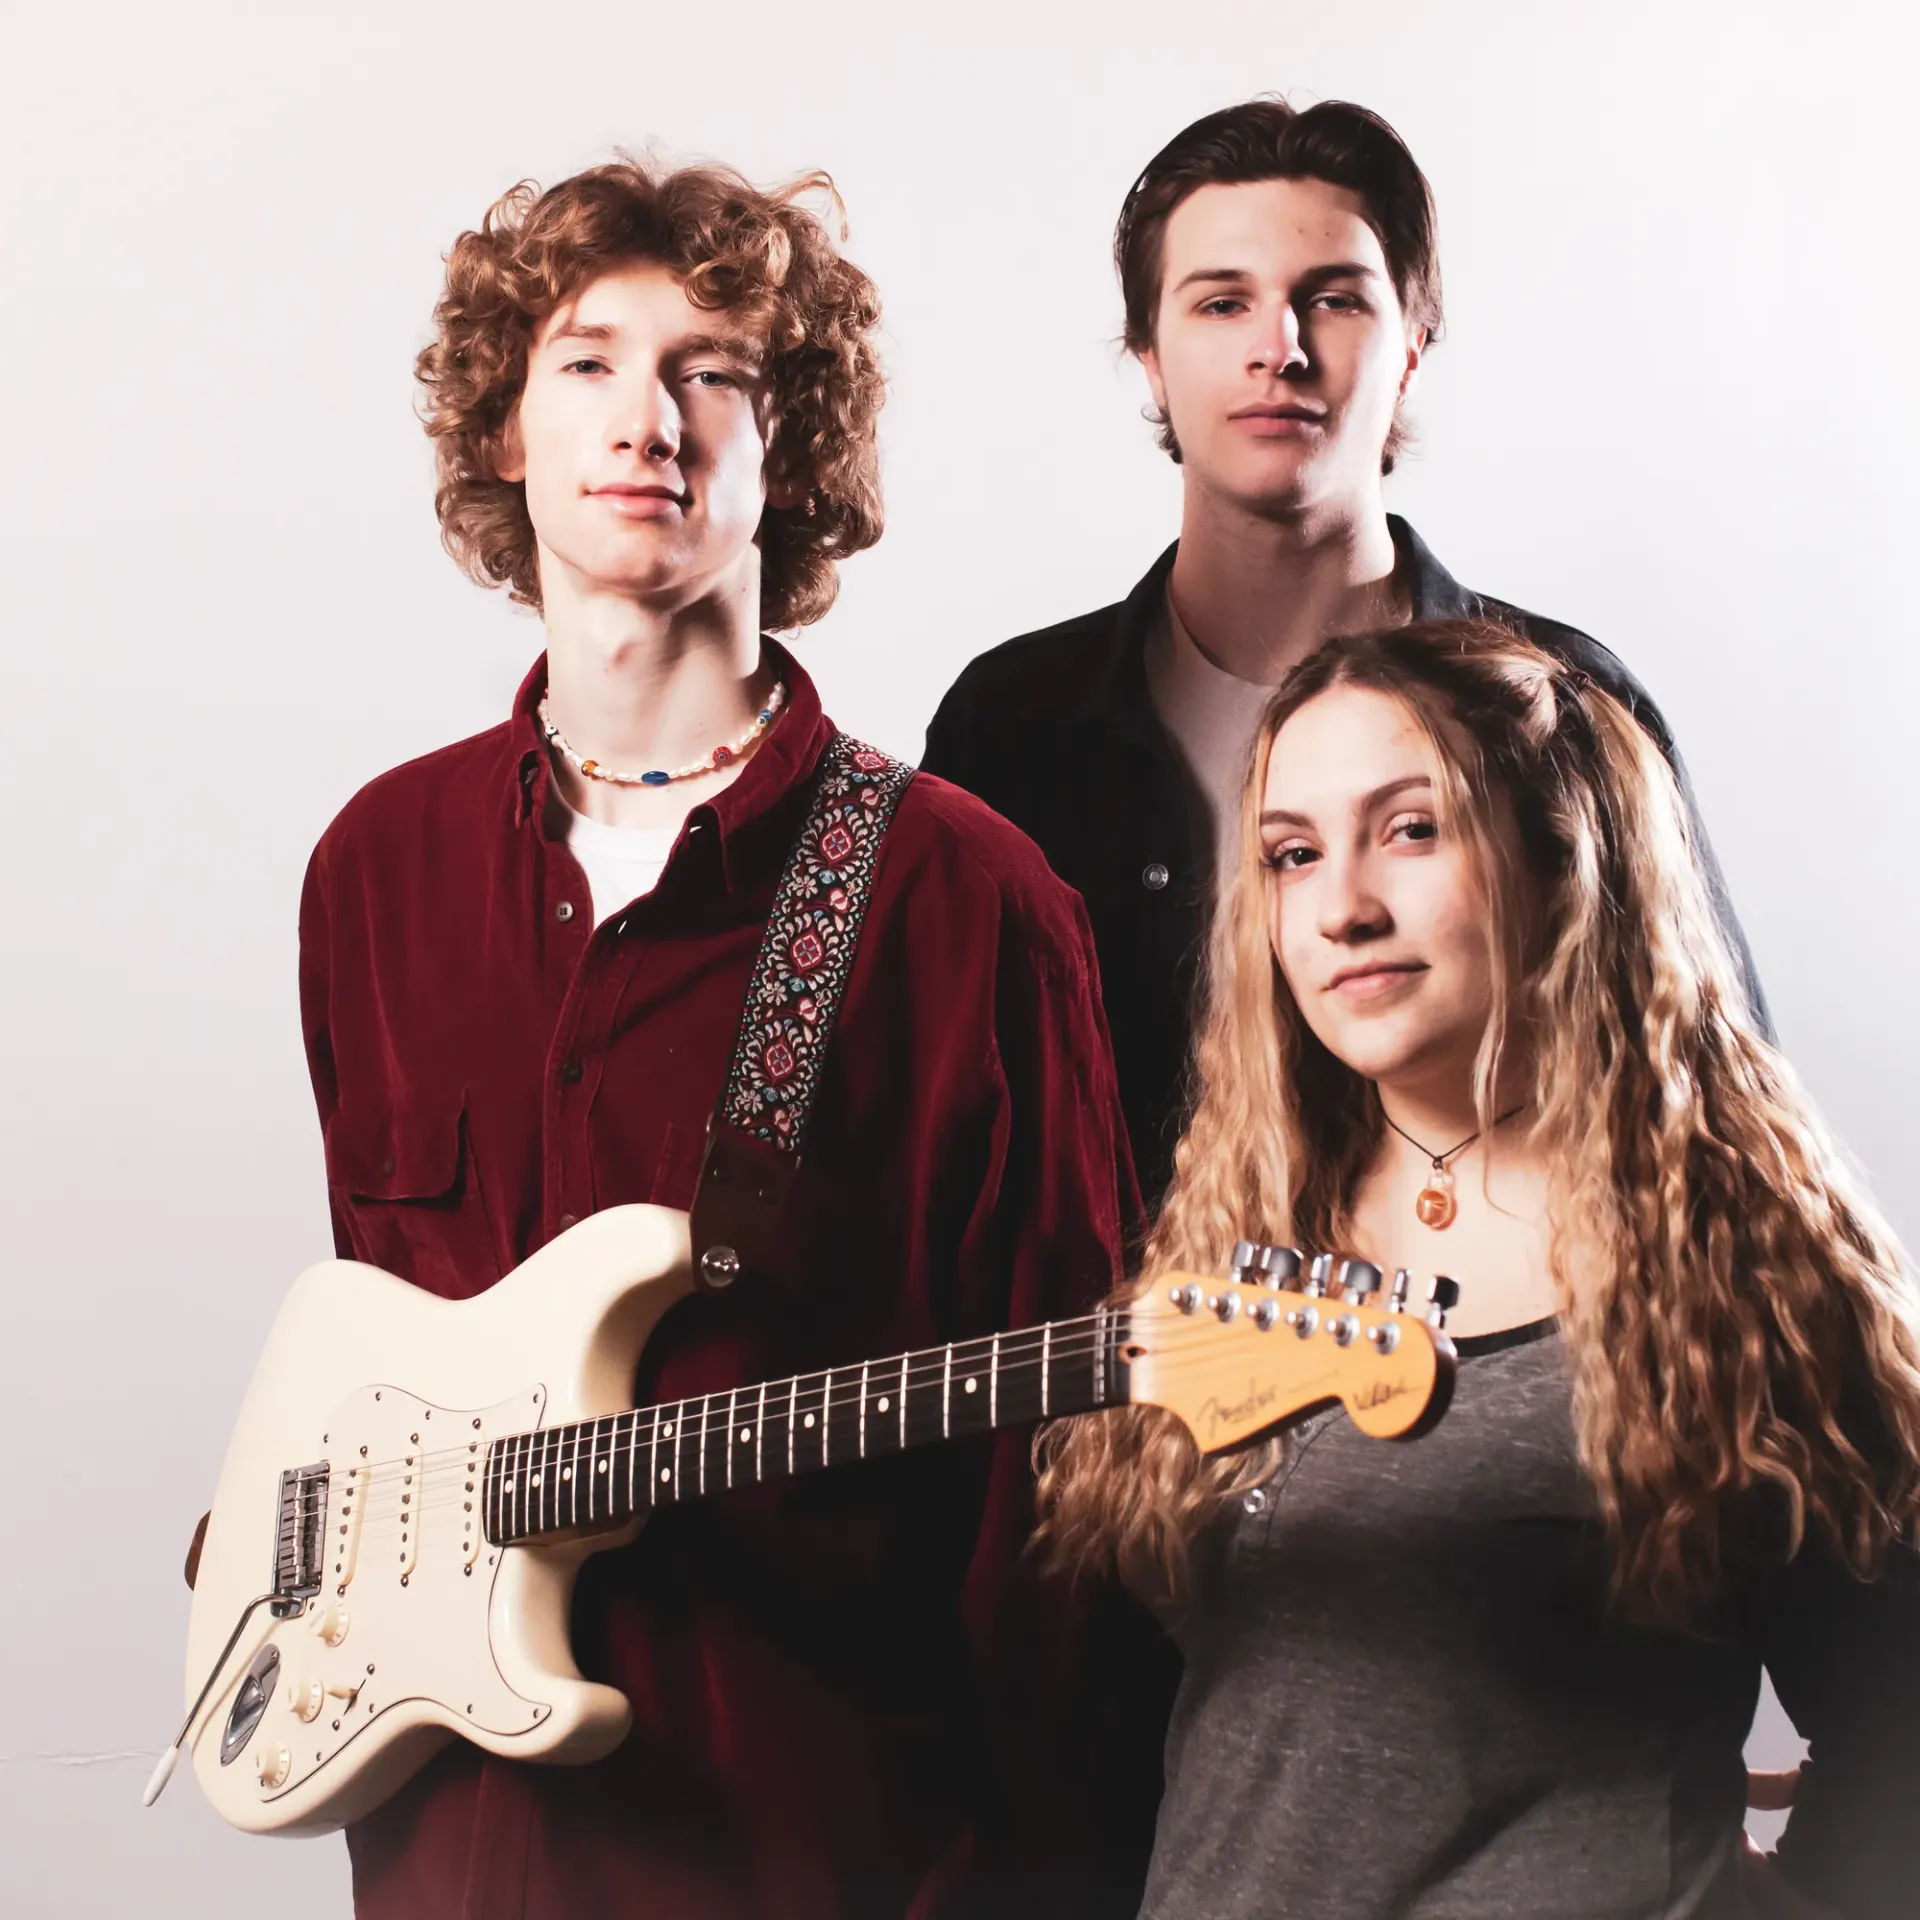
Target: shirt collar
column 785, row 759
column 1116, row 694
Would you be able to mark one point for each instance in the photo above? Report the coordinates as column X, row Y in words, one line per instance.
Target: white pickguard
column 421, row 1629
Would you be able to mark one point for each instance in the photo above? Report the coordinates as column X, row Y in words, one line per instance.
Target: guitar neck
column 595, row 1474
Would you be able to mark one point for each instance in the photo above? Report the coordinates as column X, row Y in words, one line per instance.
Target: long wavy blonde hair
column 1743, row 1333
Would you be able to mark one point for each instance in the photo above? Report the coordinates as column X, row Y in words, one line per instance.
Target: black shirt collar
column 1116, row 694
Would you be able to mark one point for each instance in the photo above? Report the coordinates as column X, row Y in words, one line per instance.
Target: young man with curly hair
column 523, row 964
column 1280, row 273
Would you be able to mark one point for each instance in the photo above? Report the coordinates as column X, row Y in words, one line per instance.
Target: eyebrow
column 743, row 354
column 1314, row 276
column 1281, row 817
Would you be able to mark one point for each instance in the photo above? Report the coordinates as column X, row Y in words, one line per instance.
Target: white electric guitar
column 413, row 1483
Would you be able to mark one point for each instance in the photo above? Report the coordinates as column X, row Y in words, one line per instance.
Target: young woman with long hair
column 1469, row 1011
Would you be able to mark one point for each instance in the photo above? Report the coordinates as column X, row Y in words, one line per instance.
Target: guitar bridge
column 299, row 1540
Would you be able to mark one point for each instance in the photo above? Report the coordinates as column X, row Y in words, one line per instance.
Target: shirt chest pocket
column 407, row 1186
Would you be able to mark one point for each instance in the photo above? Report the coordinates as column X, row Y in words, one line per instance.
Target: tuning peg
column 1245, row 1254
column 1278, row 1266
column 1359, row 1278
column 1443, row 1295
column 1319, row 1273
column 1402, row 1284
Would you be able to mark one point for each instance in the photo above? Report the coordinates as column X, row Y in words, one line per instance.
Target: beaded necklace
column 721, row 756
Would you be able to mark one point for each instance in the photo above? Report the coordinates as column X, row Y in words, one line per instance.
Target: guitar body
column 420, row 1628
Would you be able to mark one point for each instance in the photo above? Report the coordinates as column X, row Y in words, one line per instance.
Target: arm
column 1845, row 1661
column 316, row 1015
column 1075, row 1690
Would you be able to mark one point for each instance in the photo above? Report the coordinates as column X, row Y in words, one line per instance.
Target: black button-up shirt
column 1058, row 731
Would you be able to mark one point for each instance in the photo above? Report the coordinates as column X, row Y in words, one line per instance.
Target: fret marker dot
column 666, row 1473
column 808, row 1421
column 535, row 1481
column 603, row 1466
column 666, row 1432
column 566, row 1473
column 746, row 1434
column 885, row 1403
column 973, row 1386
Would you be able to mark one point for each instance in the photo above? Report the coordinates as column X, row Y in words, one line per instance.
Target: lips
column 1358, row 983
column 634, row 502
column 1306, row 416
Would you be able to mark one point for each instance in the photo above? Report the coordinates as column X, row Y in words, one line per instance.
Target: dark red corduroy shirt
column 849, row 1697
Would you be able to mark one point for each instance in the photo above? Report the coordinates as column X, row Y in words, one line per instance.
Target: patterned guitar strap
column 755, row 1137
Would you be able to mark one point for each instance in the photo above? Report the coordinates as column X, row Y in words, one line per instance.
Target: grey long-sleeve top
column 1405, row 1695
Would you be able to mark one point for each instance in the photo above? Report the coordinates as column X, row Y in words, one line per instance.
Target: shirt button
column 563, row 912
column 1155, row 877
column 1256, row 1500
column 571, row 1070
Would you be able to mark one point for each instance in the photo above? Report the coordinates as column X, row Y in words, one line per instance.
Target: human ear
column 1416, row 353
column 507, row 452
column 1150, row 365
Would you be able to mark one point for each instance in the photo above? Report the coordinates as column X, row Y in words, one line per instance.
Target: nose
column 647, row 422
column 1349, row 907
column 1277, row 347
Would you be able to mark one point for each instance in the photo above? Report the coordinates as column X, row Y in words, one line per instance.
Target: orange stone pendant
column 1433, row 1205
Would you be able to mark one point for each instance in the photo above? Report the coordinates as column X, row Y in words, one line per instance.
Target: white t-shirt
column 1213, row 716
column 621, row 863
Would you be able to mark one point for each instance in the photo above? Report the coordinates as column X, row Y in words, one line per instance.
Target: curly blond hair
column 761, row 257
column 1743, row 1333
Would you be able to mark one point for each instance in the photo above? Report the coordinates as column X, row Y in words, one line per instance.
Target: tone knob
column 331, row 1625
column 275, row 1764
column 306, row 1698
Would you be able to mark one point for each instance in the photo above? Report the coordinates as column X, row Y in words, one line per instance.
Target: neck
column 600, row 1473
column 1437, row 1110
column 638, row 684
column 1258, row 593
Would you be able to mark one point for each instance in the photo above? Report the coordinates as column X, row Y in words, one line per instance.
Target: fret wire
column 559, row 1450
column 760, row 1437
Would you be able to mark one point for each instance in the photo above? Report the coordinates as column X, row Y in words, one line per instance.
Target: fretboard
column 595, row 1474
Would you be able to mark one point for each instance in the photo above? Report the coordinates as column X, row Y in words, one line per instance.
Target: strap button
column 1155, row 877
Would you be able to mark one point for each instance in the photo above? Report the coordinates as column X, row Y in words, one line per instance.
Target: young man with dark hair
column 1281, row 279
column 524, row 961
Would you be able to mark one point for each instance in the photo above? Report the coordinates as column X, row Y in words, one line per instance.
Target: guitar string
column 720, row 1410
column 380, row 1520
column 1076, row 1339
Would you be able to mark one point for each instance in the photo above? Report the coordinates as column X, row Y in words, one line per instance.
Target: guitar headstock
column 1282, row 1333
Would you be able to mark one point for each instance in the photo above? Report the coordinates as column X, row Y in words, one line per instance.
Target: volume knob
column 331, row 1625
column 306, row 1698
column 275, row 1764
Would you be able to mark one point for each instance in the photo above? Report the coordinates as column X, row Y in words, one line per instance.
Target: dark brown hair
column 762, row 258
column 1344, row 145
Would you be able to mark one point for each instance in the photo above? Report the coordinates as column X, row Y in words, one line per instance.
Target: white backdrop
column 1675, row 407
